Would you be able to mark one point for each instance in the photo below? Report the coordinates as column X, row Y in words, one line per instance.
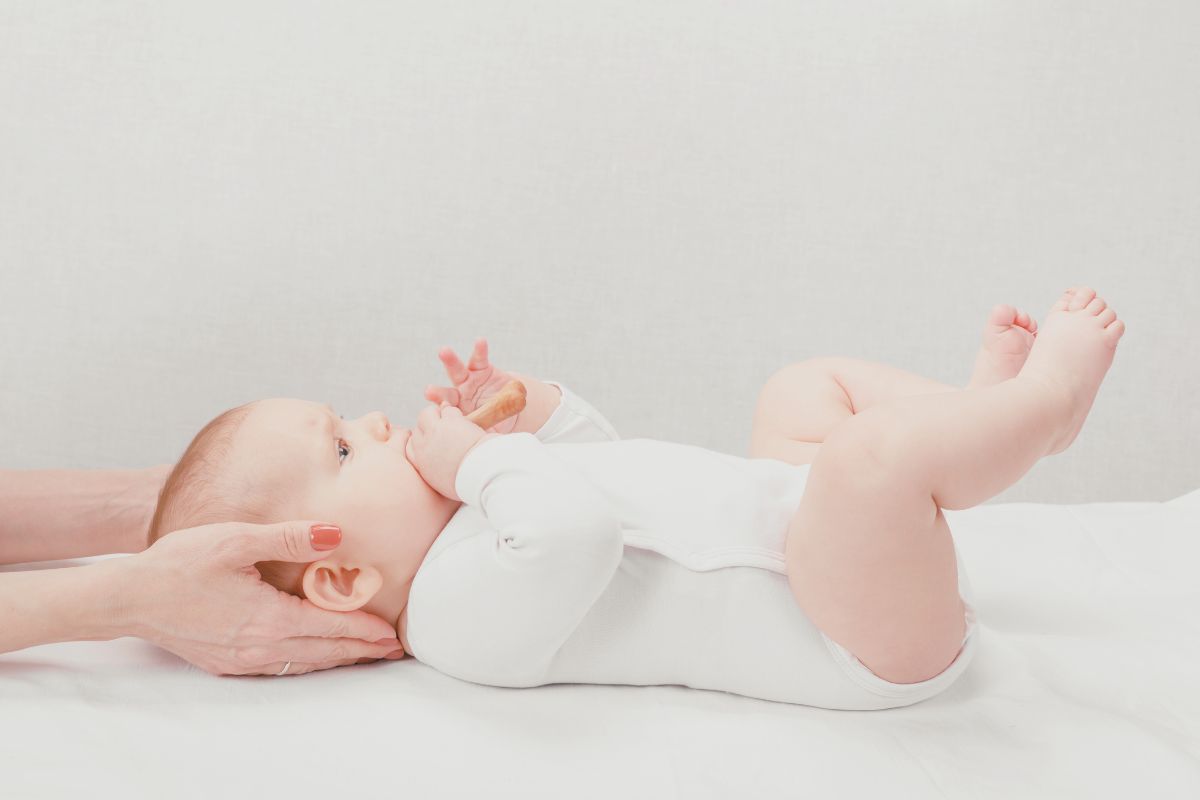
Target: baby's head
column 278, row 460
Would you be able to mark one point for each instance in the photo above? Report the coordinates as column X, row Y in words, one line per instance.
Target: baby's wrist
column 541, row 401
column 487, row 437
column 453, row 487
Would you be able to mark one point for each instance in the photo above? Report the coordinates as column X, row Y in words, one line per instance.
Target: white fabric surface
column 1084, row 685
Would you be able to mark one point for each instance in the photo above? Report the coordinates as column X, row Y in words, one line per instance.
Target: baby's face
column 353, row 474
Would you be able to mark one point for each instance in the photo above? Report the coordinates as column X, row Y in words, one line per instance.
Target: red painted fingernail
column 325, row 537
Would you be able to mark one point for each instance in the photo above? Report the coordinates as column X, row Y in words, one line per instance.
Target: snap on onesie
column 577, row 557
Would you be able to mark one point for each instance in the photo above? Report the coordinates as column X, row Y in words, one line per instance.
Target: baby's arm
column 541, row 399
column 494, row 607
column 574, row 421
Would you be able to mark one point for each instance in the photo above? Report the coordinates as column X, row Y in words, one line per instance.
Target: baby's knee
column 797, row 377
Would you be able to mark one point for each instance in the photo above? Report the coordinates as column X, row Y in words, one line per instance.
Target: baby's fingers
column 442, row 394
column 479, row 357
column 428, row 417
column 456, row 370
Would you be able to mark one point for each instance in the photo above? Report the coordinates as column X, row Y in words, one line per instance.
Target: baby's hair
column 200, row 491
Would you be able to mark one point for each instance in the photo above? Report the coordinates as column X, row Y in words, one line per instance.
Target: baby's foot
column 1007, row 338
column 1072, row 353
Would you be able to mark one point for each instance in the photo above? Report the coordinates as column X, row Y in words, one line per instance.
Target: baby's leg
column 801, row 403
column 869, row 555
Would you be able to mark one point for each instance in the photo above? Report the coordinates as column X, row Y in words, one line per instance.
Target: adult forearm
column 541, row 399
column 61, row 513
column 59, row 605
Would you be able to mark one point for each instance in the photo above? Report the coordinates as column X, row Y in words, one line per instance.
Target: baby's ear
column 340, row 587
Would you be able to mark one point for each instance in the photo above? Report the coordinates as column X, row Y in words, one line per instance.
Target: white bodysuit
column 580, row 558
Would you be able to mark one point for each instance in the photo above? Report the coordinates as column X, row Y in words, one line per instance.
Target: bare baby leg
column 869, row 555
column 801, row 403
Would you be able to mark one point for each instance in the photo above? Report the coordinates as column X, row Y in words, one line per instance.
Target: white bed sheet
column 1084, row 686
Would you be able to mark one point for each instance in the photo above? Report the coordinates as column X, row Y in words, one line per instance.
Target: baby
column 546, row 550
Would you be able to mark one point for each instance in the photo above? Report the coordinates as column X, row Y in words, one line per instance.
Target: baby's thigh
column 765, row 443
column 796, row 409
column 872, row 564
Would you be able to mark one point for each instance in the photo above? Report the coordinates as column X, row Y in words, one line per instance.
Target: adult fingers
column 345, row 662
column 312, row 650
column 276, row 669
column 298, row 668
column 269, row 659
column 296, row 541
column 307, row 619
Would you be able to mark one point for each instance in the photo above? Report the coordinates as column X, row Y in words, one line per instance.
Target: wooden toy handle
column 509, row 401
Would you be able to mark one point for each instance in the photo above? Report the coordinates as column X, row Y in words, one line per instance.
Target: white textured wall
column 657, row 203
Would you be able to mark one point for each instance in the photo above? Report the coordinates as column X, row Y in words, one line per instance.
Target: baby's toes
column 1027, row 322
column 1114, row 331
column 1106, row 317
column 1002, row 315
column 1081, row 298
column 1095, row 307
column 1065, row 301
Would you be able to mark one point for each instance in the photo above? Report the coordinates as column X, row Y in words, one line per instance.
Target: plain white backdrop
column 658, row 204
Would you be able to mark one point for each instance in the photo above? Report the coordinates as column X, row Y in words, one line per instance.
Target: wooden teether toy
column 508, row 401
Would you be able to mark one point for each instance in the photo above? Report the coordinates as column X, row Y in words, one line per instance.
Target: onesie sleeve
column 575, row 421
column 496, row 606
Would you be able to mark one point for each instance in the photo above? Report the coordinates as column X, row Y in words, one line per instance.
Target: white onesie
column 580, row 558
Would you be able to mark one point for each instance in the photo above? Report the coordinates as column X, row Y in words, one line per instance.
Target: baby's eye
column 343, row 451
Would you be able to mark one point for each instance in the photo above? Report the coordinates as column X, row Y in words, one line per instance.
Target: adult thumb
column 297, row 541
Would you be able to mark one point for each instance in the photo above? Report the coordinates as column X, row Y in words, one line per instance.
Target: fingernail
column 325, row 537
column 395, row 655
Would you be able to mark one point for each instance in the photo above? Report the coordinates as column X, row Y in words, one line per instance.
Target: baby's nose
column 379, row 425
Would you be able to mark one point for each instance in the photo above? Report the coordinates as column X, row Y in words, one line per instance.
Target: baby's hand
column 474, row 383
column 439, row 443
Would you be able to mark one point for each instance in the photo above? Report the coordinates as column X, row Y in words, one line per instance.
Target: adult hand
column 197, row 594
